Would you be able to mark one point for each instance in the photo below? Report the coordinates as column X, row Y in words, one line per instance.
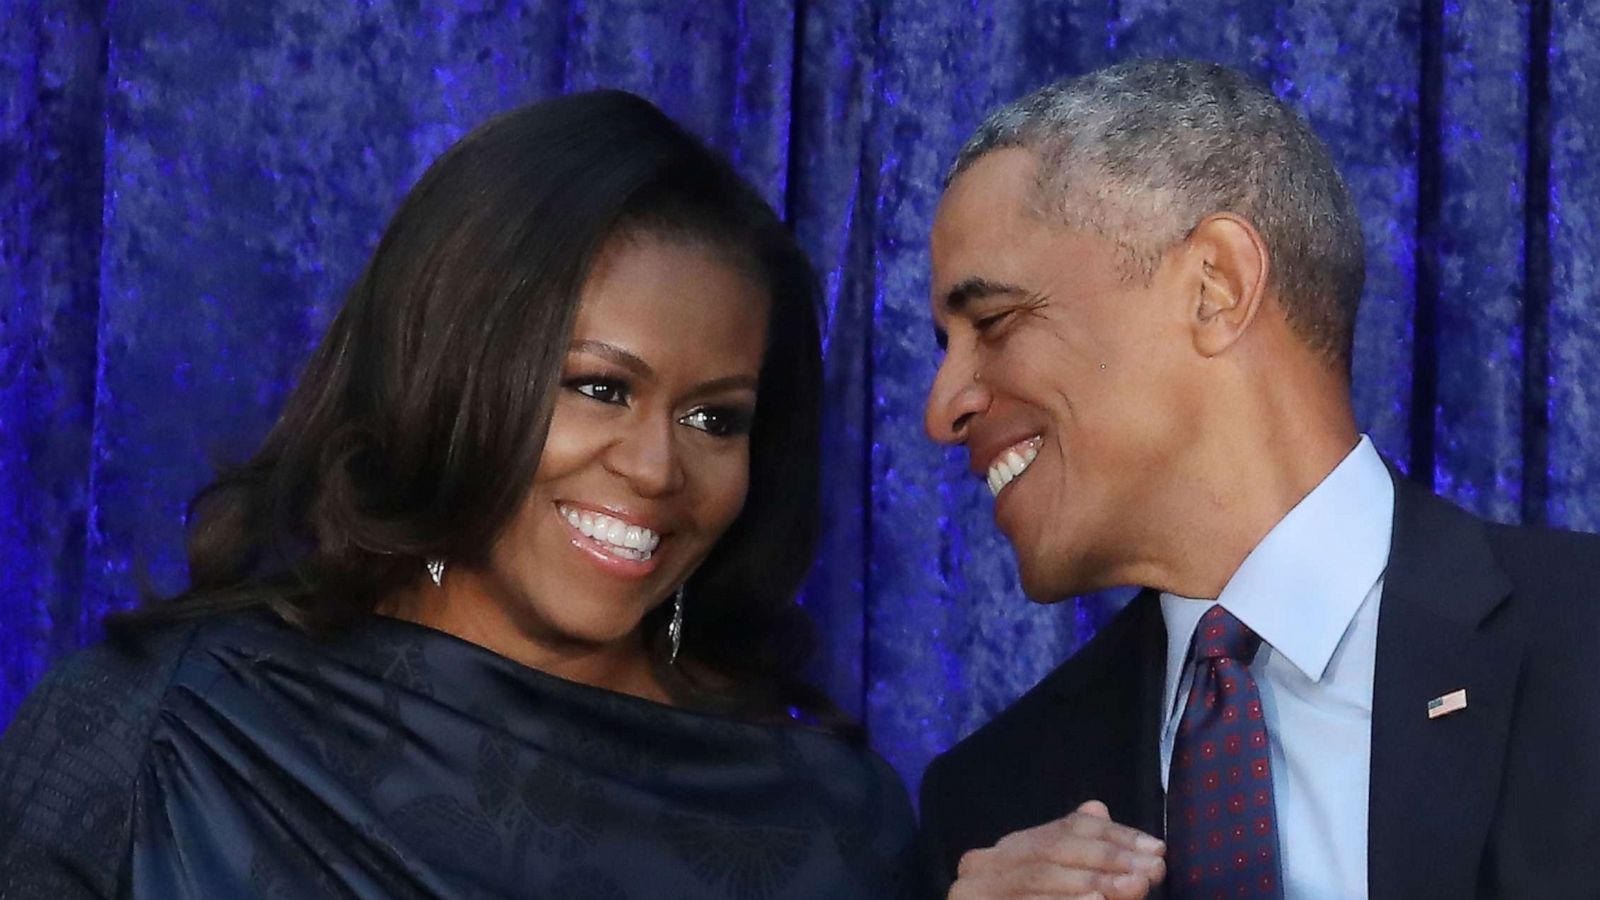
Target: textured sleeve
column 898, row 836
column 68, row 764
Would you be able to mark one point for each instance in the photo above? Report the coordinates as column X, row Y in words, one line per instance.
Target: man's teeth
column 619, row 538
column 1009, row 465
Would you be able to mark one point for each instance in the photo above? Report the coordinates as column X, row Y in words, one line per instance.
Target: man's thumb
column 1095, row 808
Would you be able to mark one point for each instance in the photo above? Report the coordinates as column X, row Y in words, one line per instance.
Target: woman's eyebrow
column 612, row 353
column 633, row 363
column 728, row 383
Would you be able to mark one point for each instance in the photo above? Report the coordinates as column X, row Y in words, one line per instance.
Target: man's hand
column 1083, row 856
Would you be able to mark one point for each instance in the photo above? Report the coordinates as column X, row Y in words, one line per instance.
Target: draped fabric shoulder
column 398, row 762
column 68, row 765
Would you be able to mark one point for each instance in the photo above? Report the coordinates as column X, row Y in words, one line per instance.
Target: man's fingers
column 1076, row 866
column 1047, row 881
column 974, row 862
column 1084, row 840
column 1124, row 887
column 1085, row 853
column 1090, row 853
column 1092, row 819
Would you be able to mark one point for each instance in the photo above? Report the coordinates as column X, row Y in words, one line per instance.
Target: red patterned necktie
column 1222, row 829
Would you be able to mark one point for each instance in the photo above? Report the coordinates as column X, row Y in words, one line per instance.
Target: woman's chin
column 581, row 634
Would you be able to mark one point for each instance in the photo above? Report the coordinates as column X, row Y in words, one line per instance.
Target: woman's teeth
column 618, row 537
column 1008, row 465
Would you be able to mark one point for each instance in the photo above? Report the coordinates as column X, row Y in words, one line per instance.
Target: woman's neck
column 622, row 665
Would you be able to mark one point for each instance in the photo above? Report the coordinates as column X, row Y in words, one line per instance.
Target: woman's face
column 648, row 455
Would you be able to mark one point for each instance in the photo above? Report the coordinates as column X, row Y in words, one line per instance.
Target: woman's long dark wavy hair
column 418, row 422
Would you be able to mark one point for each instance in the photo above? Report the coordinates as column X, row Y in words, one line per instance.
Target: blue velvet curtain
column 187, row 188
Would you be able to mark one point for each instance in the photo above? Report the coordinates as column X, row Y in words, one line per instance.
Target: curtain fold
column 52, row 126
column 187, row 189
column 1572, row 339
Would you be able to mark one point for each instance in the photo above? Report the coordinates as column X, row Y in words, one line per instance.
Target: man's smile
column 1011, row 462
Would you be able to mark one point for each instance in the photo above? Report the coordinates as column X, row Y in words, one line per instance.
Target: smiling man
column 1334, row 684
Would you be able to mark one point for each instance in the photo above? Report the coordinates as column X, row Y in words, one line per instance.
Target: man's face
column 1063, row 364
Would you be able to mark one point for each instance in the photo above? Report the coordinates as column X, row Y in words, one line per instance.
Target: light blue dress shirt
column 1310, row 589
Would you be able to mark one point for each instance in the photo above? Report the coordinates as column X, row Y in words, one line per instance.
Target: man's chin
column 1047, row 584
column 1046, row 587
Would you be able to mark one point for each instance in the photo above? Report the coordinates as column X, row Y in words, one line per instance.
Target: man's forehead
column 981, row 221
column 1001, row 180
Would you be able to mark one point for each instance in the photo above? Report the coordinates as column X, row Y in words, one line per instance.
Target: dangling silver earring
column 436, row 571
column 675, row 627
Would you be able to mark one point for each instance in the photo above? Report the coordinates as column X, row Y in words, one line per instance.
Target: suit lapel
column 1149, row 801
column 1433, row 781
column 1114, row 717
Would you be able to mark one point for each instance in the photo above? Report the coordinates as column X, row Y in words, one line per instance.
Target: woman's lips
column 617, row 546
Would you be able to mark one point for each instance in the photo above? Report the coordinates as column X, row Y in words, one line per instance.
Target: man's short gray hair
column 1142, row 151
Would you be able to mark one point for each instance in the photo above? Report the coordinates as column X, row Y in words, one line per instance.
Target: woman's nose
column 648, row 457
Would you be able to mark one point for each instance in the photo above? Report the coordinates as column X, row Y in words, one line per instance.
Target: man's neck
column 1243, row 484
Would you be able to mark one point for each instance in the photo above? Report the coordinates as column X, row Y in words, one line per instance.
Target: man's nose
column 956, row 398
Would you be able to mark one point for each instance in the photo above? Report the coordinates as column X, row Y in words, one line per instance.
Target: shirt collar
column 1299, row 589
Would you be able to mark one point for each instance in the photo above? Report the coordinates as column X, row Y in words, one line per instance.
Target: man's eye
column 988, row 322
column 601, row 390
column 719, row 421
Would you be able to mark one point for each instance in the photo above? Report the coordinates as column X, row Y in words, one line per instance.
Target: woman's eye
column 719, row 421
column 601, row 390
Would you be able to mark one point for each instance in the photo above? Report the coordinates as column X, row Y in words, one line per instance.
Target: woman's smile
column 618, row 545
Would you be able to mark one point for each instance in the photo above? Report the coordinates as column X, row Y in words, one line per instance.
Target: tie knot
column 1221, row 636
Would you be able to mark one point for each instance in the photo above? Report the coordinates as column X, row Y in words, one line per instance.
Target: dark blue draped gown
column 239, row 758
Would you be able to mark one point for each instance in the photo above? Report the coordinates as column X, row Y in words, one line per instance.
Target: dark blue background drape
column 187, row 188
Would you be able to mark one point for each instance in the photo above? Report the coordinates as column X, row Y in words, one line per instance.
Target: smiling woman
column 645, row 465
column 505, row 603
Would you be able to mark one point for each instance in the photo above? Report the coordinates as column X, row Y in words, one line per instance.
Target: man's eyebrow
column 970, row 290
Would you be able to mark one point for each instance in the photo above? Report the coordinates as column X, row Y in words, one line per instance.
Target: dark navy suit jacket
column 1501, row 799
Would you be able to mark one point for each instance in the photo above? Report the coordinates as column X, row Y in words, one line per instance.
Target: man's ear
column 1232, row 280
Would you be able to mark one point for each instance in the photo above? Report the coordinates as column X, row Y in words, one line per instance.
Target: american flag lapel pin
column 1447, row 704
